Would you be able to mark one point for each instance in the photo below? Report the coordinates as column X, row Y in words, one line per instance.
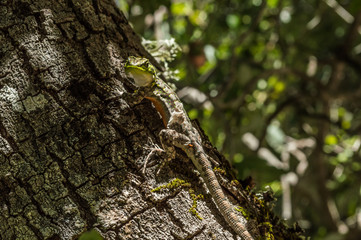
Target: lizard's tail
column 221, row 200
column 196, row 153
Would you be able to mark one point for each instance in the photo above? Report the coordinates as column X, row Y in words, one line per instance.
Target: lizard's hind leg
column 169, row 138
column 156, row 150
column 168, row 153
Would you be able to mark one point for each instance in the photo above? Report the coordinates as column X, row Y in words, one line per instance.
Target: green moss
column 236, row 182
column 175, row 183
column 268, row 228
column 243, row 211
column 194, row 204
column 220, row 170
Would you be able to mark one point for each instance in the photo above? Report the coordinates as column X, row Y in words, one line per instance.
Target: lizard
column 179, row 132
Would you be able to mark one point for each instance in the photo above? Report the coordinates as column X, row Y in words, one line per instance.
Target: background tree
column 276, row 86
column 72, row 149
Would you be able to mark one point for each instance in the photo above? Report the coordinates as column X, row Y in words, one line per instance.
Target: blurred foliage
column 276, row 86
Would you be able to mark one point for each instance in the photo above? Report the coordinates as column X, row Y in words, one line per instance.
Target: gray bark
column 71, row 152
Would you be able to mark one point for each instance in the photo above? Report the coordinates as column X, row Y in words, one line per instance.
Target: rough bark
column 71, row 152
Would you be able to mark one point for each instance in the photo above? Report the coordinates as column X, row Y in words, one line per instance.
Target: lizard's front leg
column 136, row 97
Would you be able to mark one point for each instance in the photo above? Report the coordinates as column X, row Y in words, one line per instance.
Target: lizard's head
column 142, row 71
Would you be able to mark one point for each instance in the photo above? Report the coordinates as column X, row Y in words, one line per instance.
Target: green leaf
column 233, row 20
column 91, row 235
column 331, row 139
column 272, row 3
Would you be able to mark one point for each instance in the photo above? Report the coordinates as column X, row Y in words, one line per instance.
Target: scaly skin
column 180, row 133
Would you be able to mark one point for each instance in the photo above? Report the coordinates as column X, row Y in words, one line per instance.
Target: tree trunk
column 71, row 149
